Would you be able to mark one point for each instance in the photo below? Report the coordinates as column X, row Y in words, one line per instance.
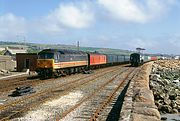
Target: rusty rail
column 91, row 95
column 68, row 86
column 109, row 98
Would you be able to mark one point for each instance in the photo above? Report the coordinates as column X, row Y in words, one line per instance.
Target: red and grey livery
column 55, row 62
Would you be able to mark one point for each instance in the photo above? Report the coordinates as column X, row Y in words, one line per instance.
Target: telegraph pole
column 78, row 45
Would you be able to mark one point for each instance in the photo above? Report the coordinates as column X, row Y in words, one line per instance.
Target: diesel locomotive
column 57, row 62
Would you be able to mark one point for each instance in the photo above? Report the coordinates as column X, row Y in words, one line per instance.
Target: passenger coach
column 96, row 60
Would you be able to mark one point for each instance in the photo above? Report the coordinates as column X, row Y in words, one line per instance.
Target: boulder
column 172, row 95
column 154, row 76
column 165, row 109
column 178, row 102
column 167, row 101
column 162, row 95
column 178, row 108
column 173, row 104
column 163, row 118
column 139, row 117
column 143, row 95
column 147, row 112
column 174, row 111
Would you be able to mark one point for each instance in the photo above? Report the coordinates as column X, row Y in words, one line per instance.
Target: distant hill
column 33, row 47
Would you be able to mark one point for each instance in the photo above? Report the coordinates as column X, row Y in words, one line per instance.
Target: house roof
column 2, row 48
column 14, row 51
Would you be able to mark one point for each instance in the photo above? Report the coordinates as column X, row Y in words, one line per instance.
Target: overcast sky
column 122, row 24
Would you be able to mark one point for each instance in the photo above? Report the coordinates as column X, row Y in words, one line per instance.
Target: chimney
column 6, row 48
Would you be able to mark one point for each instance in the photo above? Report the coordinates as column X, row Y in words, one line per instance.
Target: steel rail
column 53, row 89
column 90, row 96
column 110, row 97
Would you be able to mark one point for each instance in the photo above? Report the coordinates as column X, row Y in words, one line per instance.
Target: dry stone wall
column 139, row 103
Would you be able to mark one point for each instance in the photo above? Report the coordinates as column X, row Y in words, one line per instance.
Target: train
column 57, row 62
column 137, row 59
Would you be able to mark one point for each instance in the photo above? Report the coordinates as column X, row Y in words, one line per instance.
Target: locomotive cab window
column 46, row 56
column 56, row 57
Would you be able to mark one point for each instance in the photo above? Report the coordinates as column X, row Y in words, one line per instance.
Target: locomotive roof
column 62, row 51
column 135, row 54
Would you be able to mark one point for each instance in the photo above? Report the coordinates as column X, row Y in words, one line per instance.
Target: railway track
column 17, row 107
column 96, row 102
column 12, row 83
column 21, row 81
column 8, row 82
column 111, row 98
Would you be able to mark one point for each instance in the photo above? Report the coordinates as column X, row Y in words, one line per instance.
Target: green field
column 33, row 47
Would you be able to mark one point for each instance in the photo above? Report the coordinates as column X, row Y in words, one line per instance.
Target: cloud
column 72, row 15
column 134, row 43
column 135, row 11
column 46, row 25
column 65, row 17
column 75, row 18
column 11, row 26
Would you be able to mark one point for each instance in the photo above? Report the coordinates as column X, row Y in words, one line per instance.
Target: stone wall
column 139, row 103
column 6, row 63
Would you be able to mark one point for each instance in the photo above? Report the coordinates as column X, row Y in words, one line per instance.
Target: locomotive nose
column 45, row 63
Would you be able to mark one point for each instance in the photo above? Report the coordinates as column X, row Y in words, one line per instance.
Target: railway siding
column 139, row 103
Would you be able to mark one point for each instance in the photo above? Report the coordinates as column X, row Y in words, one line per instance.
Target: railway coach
column 96, row 60
column 114, row 59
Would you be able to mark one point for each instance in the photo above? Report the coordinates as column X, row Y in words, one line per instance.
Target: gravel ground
column 49, row 110
column 43, row 86
column 47, row 84
column 85, row 111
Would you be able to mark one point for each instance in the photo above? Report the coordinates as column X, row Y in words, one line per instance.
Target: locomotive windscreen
column 46, row 56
